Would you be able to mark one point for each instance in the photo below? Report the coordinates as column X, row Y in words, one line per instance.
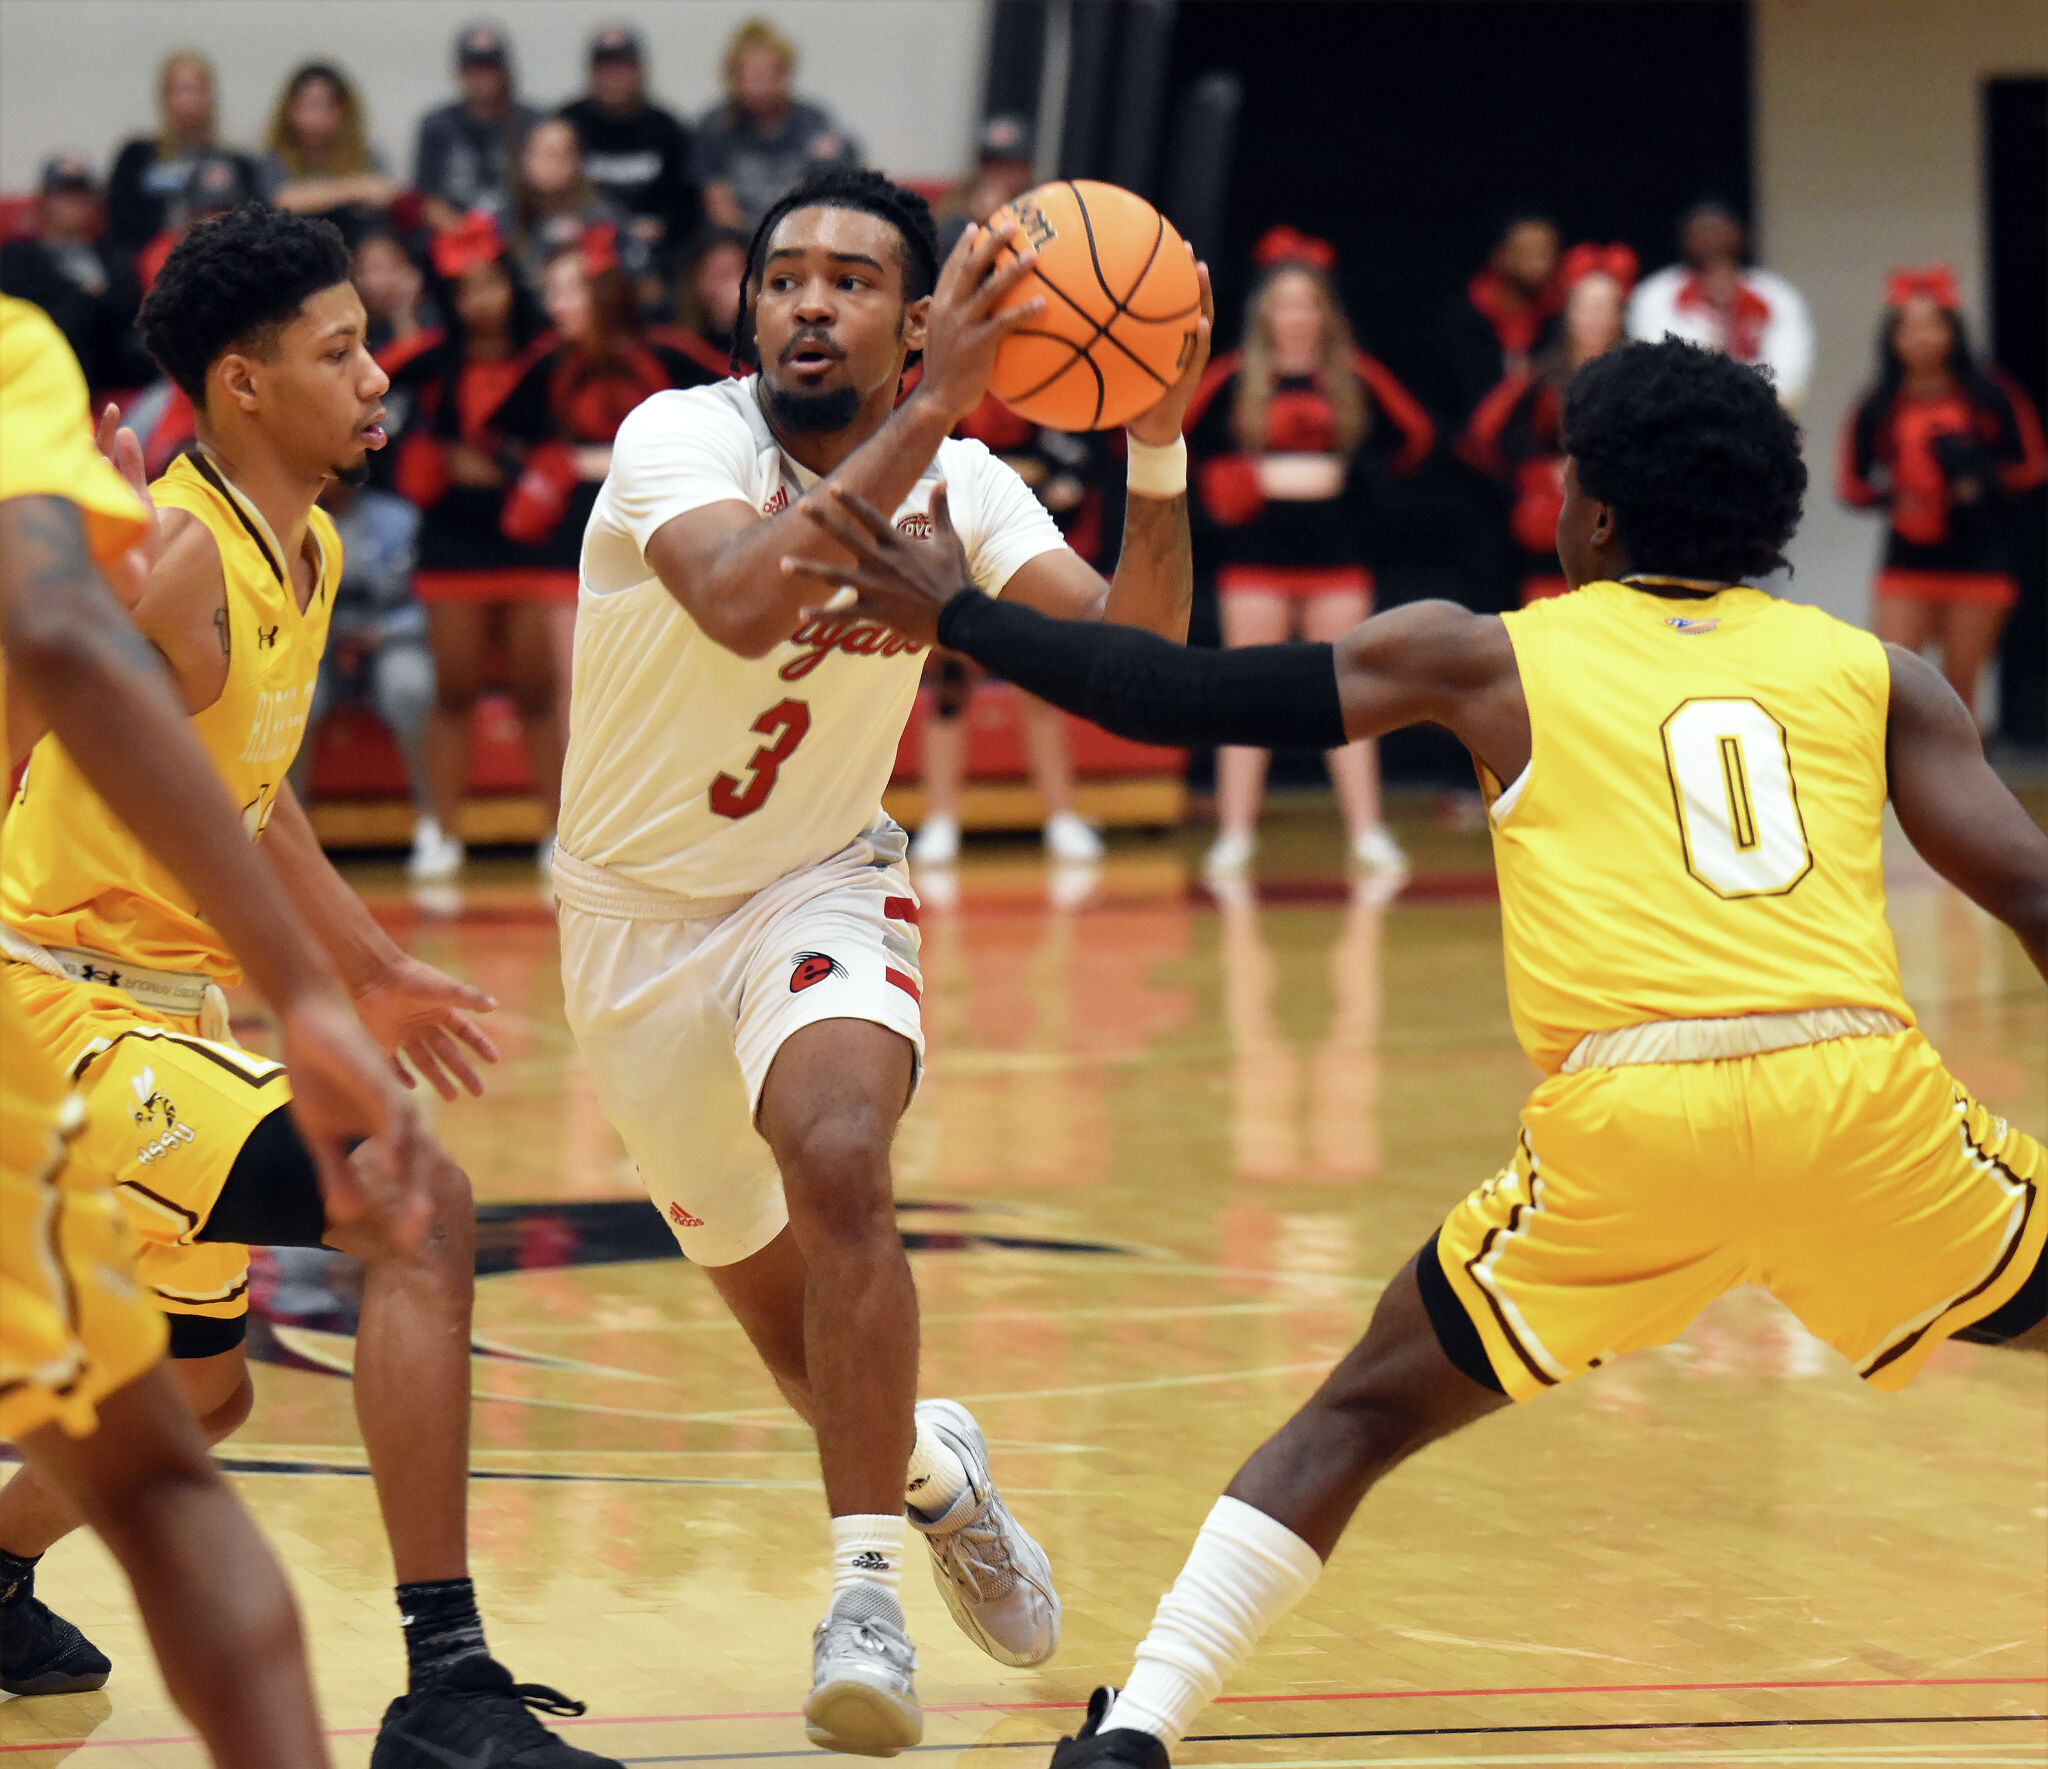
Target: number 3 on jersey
column 788, row 722
column 1738, row 810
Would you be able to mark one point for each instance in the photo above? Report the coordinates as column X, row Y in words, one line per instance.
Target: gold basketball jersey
column 73, row 876
column 1698, row 833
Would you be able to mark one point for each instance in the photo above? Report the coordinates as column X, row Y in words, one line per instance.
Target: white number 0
column 1738, row 811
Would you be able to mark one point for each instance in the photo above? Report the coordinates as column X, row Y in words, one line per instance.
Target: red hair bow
column 473, row 240
column 1287, row 245
column 600, row 247
column 1936, row 281
column 1617, row 261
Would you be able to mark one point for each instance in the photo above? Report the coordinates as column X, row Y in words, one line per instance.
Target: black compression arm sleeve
column 1144, row 687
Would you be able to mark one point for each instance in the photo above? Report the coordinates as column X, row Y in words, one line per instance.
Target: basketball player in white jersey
column 739, row 934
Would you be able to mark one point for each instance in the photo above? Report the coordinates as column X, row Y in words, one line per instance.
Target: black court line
column 1254, row 1738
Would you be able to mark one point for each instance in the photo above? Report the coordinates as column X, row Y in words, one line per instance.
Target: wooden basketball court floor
column 1166, row 1153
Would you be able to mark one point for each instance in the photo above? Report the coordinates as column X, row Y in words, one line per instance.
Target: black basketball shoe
column 43, row 1654
column 1091, row 1745
column 476, row 1717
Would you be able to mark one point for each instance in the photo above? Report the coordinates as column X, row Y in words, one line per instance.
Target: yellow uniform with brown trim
column 168, row 1109
column 73, row 1324
column 1692, row 900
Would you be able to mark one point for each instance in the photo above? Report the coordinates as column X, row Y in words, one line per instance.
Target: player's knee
column 451, row 1220
column 836, row 1177
column 222, row 1409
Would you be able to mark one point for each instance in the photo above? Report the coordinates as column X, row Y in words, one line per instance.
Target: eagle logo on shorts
column 813, row 967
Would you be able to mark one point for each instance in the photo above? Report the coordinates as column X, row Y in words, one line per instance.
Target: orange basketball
column 1121, row 306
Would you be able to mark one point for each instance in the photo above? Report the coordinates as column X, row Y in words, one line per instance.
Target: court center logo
column 812, row 967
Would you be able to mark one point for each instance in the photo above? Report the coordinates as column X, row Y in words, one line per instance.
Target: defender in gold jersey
column 120, row 973
column 82, row 1388
column 1687, row 781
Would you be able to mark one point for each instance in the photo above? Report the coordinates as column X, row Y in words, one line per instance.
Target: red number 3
column 732, row 797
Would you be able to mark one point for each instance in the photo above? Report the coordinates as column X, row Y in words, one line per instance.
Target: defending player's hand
column 900, row 582
column 423, row 1014
column 344, row 1094
column 1160, row 426
column 963, row 330
column 130, row 577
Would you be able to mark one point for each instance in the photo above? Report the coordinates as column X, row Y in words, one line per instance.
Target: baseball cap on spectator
column 68, row 172
column 616, row 43
column 217, row 183
column 481, row 46
column 1007, row 138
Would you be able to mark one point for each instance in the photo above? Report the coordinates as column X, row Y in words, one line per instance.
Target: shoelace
column 537, row 1696
column 980, row 1558
column 872, row 1635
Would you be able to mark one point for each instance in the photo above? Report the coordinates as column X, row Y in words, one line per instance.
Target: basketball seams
column 1100, row 330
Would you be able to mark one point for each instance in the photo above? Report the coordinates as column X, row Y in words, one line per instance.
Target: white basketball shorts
column 679, row 1014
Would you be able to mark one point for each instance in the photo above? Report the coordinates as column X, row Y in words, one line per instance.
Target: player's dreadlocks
column 235, row 281
column 844, row 187
column 1695, row 455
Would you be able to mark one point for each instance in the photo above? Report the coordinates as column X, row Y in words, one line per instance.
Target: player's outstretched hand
column 344, row 1094
column 1161, row 425
column 423, row 1014
column 900, row 582
column 130, row 576
column 963, row 329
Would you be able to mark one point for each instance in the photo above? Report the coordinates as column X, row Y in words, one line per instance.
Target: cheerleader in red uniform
column 1941, row 444
column 1517, row 433
column 559, row 419
column 1287, row 433
column 481, row 588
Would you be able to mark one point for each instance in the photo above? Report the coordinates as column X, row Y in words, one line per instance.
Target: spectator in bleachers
column 377, row 653
column 482, row 590
column 708, row 288
column 1711, row 297
column 1287, row 435
column 1942, row 444
column 392, row 288
column 1503, row 319
column 554, row 201
column 151, row 172
column 468, row 151
column 81, row 281
column 218, row 181
column 1004, row 169
column 319, row 160
column 762, row 139
column 1517, row 435
column 637, row 153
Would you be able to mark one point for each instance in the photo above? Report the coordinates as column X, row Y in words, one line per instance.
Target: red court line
column 1020, row 1707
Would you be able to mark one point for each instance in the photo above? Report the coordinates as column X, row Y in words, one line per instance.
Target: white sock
column 867, row 1550
column 1244, row 1572
column 936, row 1476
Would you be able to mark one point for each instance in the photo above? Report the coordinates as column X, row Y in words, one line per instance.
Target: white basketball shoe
column 995, row 1579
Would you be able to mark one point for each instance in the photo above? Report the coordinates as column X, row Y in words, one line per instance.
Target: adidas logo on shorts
column 682, row 1218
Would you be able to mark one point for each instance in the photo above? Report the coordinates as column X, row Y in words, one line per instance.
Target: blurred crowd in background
column 533, row 273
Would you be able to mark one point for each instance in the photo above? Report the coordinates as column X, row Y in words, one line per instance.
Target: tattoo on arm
column 50, row 570
column 220, row 626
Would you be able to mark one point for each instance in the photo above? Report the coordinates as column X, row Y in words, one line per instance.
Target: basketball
column 1121, row 305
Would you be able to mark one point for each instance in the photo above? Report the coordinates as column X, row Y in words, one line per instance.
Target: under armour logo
column 91, row 973
column 265, row 638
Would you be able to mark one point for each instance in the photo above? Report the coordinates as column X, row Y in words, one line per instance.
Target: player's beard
column 357, row 473
column 803, row 412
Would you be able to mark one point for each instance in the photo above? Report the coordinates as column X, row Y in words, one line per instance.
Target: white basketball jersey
column 699, row 772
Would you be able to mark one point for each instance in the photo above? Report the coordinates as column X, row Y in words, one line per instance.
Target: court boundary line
column 1025, row 1707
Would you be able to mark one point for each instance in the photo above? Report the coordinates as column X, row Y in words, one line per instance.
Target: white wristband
column 1157, row 472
